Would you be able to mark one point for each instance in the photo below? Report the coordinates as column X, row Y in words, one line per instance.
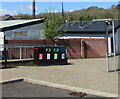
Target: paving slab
column 81, row 73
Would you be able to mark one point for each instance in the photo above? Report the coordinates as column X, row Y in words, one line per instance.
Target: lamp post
column 114, row 43
column 107, row 61
column 111, row 23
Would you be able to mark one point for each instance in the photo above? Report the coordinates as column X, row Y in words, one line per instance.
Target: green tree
column 7, row 15
column 23, row 16
column 52, row 23
column 85, row 18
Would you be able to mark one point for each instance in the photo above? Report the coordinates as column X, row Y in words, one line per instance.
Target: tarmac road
column 25, row 89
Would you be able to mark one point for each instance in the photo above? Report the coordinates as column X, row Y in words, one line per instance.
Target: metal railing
column 19, row 51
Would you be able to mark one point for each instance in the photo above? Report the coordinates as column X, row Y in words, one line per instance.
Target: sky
column 14, row 8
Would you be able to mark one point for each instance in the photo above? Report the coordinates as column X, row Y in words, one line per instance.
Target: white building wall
column 84, row 35
column 33, row 32
column 118, row 41
column 1, row 41
column 8, row 34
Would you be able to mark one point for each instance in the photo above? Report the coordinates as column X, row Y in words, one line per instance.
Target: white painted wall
column 1, row 41
column 109, row 45
column 82, row 35
column 34, row 32
column 118, row 41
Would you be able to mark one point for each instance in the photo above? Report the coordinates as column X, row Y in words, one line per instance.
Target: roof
column 88, row 26
column 14, row 24
column 4, row 18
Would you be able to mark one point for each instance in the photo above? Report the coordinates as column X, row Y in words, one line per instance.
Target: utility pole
column 33, row 9
column 63, row 16
column 112, row 24
column 118, row 10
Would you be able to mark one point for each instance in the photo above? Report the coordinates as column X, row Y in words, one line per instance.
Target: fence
column 76, row 48
column 20, row 51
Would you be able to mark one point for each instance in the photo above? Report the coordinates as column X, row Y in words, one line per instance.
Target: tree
column 52, row 23
column 86, row 18
column 23, row 16
column 7, row 15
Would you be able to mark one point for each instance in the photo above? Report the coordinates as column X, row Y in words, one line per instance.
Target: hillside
column 83, row 14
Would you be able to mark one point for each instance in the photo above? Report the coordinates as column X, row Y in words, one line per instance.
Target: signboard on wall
column 20, row 33
column 1, row 41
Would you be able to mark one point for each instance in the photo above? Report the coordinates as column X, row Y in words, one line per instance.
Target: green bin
column 55, row 56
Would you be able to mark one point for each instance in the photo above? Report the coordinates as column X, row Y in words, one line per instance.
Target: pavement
column 88, row 74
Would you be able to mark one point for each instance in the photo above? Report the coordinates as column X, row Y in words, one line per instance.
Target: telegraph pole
column 63, row 16
column 118, row 10
column 33, row 8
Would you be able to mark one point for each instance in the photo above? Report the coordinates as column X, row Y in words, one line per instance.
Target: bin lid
column 48, row 49
column 56, row 49
column 62, row 49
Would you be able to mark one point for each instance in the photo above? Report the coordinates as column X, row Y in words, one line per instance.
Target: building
column 5, row 18
column 23, row 29
column 93, row 29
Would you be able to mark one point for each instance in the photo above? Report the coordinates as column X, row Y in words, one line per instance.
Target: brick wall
column 76, row 48
column 96, row 47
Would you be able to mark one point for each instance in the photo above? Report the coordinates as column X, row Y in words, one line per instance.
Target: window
column 20, row 33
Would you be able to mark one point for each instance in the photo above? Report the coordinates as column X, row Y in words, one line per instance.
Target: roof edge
column 22, row 25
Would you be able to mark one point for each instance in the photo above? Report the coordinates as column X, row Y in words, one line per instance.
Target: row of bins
column 48, row 55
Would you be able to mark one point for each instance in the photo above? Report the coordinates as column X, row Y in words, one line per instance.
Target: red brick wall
column 91, row 47
column 96, row 47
